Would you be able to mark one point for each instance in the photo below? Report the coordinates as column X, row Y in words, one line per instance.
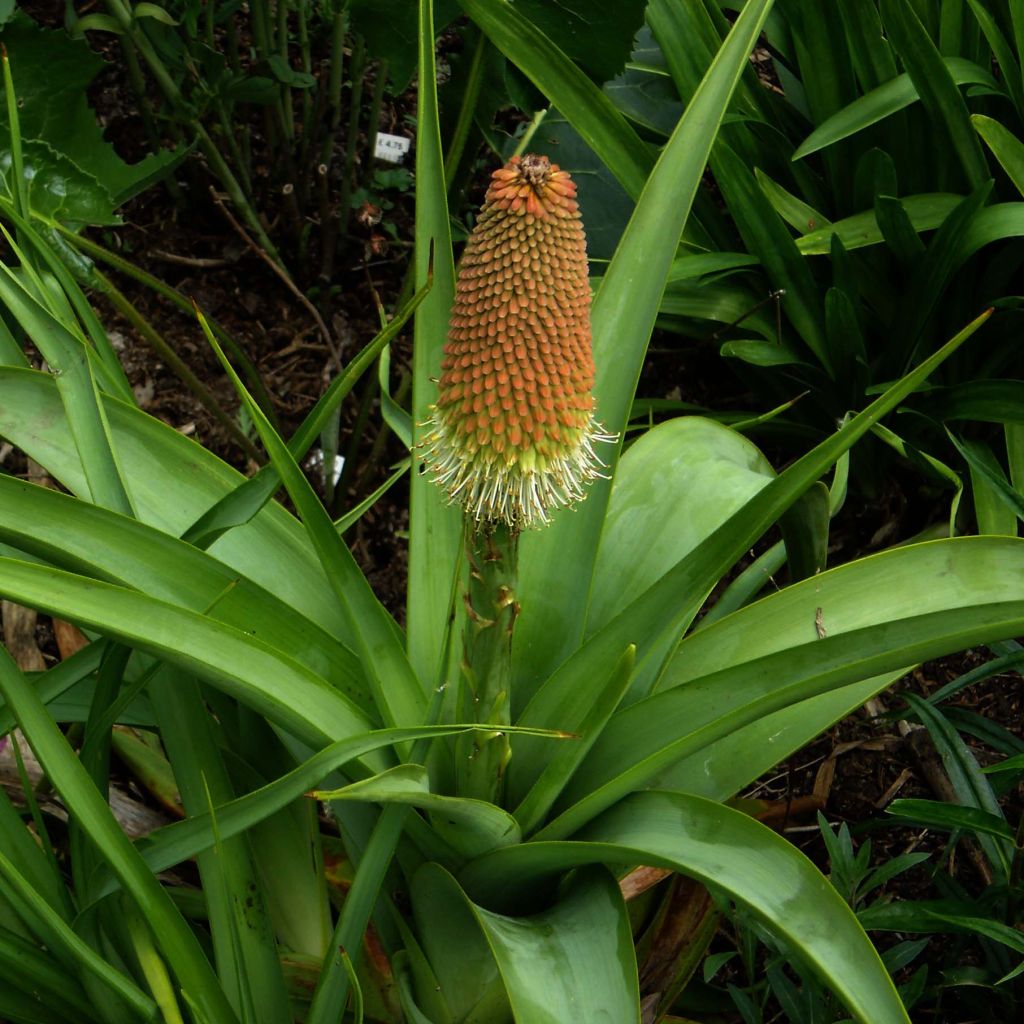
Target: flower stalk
column 491, row 612
column 514, row 431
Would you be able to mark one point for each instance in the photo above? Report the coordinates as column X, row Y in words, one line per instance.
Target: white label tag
column 391, row 147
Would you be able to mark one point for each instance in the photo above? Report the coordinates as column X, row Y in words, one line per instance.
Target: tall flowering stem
column 513, row 433
column 491, row 611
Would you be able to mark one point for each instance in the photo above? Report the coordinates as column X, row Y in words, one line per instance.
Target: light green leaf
column 261, row 677
column 730, row 851
column 554, row 600
column 585, row 937
column 176, row 940
column 1005, row 146
column 876, row 615
column 925, row 212
column 435, row 529
column 272, row 550
column 659, row 509
column 472, row 827
column 896, row 94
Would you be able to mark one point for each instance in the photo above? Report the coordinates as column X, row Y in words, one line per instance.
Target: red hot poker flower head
column 514, row 425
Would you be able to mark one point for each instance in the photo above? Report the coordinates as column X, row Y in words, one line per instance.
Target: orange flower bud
column 514, row 427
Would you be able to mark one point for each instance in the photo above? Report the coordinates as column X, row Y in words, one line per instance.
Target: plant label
column 391, row 148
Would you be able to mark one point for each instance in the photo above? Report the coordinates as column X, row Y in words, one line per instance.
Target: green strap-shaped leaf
column 896, row 94
column 730, row 851
column 844, row 626
column 435, row 529
column 1005, row 146
column 80, row 537
column 71, row 362
column 265, row 679
column 472, row 827
column 861, row 229
column 936, row 86
column 398, row 697
column 556, row 564
column 173, row 481
column 582, row 944
column 86, row 804
column 656, row 620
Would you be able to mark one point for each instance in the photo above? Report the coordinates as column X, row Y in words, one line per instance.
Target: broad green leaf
column 398, row 695
column 80, row 537
column 893, row 95
column 272, row 550
column 604, row 205
column 595, row 34
column 52, row 73
column 472, row 827
column 261, row 677
column 729, row 765
column 644, row 91
column 730, row 851
column 176, row 940
column 560, row 769
column 585, row 936
column 460, row 961
column 659, row 509
column 1005, row 146
column 435, row 529
column 554, row 599
column 657, row 619
column 925, row 212
column 55, row 187
column 804, row 641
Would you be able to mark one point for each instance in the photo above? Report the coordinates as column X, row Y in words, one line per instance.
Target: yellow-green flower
column 513, row 428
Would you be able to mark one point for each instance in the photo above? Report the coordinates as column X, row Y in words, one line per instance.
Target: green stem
column 211, row 151
column 334, row 83
column 531, row 128
column 491, row 612
column 338, row 222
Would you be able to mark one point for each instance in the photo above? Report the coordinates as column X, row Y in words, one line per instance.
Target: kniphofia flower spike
column 513, row 431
